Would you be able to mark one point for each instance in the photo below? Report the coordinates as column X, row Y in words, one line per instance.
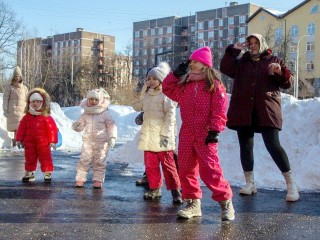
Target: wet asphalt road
column 118, row 211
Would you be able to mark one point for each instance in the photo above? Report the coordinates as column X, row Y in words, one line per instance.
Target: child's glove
column 212, row 137
column 111, row 142
column 76, row 126
column 53, row 145
column 182, row 69
column 163, row 141
column 19, row 144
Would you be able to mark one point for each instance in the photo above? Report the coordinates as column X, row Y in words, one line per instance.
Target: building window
column 293, row 48
column 144, row 52
column 310, row 66
column 242, row 19
column 159, row 41
column 230, row 32
column 160, row 32
column 278, row 34
column 144, row 62
column 242, row 39
column 152, row 51
column 169, row 30
column 220, row 44
column 136, row 54
column 311, row 28
column 160, row 50
column 230, row 20
column 200, row 25
column 314, row 9
column 145, row 33
column 136, row 71
column 211, row 24
column 220, row 22
column 211, row 34
column 294, row 31
column 193, row 28
column 137, row 34
column 169, row 39
column 242, row 30
column 310, row 46
column 153, row 32
column 200, row 35
column 220, row 33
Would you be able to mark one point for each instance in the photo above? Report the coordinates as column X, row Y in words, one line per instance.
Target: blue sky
column 44, row 18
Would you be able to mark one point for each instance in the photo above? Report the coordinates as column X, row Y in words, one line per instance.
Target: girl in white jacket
column 157, row 136
column 100, row 133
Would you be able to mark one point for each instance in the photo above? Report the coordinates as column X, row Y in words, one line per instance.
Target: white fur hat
column 17, row 71
column 160, row 71
column 94, row 94
column 35, row 96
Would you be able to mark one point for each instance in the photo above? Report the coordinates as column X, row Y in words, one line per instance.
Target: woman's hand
column 274, row 68
column 240, row 46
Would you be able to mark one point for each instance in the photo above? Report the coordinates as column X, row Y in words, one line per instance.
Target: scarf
column 195, row 77
column 35, row 111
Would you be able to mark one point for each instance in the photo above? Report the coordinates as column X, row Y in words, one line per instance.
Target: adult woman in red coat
column 255, row 105
column 38, row 132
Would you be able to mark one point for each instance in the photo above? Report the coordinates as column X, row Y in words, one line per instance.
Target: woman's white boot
column 249, row 188
column 292, row 188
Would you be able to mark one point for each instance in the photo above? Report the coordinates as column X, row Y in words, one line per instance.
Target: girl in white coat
column 157, row 136
column 100, row 133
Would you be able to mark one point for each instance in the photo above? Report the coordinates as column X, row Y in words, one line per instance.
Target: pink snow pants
column 197, row 157
column 152, row 160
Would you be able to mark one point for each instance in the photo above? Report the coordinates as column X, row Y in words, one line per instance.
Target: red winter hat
column 202, row 55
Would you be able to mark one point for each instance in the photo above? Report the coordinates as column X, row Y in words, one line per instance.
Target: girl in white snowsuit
column 100, row 133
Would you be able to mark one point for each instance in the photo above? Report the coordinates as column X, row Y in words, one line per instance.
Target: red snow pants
column 33, row 152
column 196, row 158
column 152, row 162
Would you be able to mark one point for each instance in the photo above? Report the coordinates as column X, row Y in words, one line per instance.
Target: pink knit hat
column 202, row 55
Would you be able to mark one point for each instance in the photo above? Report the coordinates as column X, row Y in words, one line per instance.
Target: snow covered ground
column 300, row 138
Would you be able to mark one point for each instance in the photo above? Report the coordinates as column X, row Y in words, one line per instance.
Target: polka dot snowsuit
column 201, row 111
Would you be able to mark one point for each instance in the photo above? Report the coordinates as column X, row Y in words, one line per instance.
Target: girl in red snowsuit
column 203, row 103
column 37, row 132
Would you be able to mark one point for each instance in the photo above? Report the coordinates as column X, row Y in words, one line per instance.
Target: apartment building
column 75, row 46
column 294, row 36
column 173, row 38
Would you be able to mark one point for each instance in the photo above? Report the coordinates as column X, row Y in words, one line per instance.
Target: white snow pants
column 94, row 153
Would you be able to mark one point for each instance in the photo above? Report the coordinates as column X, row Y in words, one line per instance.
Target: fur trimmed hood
column 45, row 109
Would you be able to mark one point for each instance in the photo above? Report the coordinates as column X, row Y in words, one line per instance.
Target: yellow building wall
column 300, row 17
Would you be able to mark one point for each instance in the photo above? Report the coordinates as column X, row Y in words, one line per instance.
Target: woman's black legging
column 271, row 141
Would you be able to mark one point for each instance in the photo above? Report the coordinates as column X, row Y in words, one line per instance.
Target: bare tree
column 10, row 31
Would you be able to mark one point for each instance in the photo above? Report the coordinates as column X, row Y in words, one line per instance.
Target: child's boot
column 47, row 177
column 176, row 196
column 143, row 180
column 97, row 184
column 250, row 187
column 193, row 209
column 153, row 194
column 29, row 177
column 292, row 188
column 79, row 184
column 227, row 210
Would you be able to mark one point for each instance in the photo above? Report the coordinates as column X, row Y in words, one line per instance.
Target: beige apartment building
column 295, row 36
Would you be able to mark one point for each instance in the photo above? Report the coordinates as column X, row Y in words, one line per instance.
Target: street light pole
column 296, row 85
column 72, row 70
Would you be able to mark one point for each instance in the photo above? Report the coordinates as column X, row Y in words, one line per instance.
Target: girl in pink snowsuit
column 100, row 133
column 203, row 103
